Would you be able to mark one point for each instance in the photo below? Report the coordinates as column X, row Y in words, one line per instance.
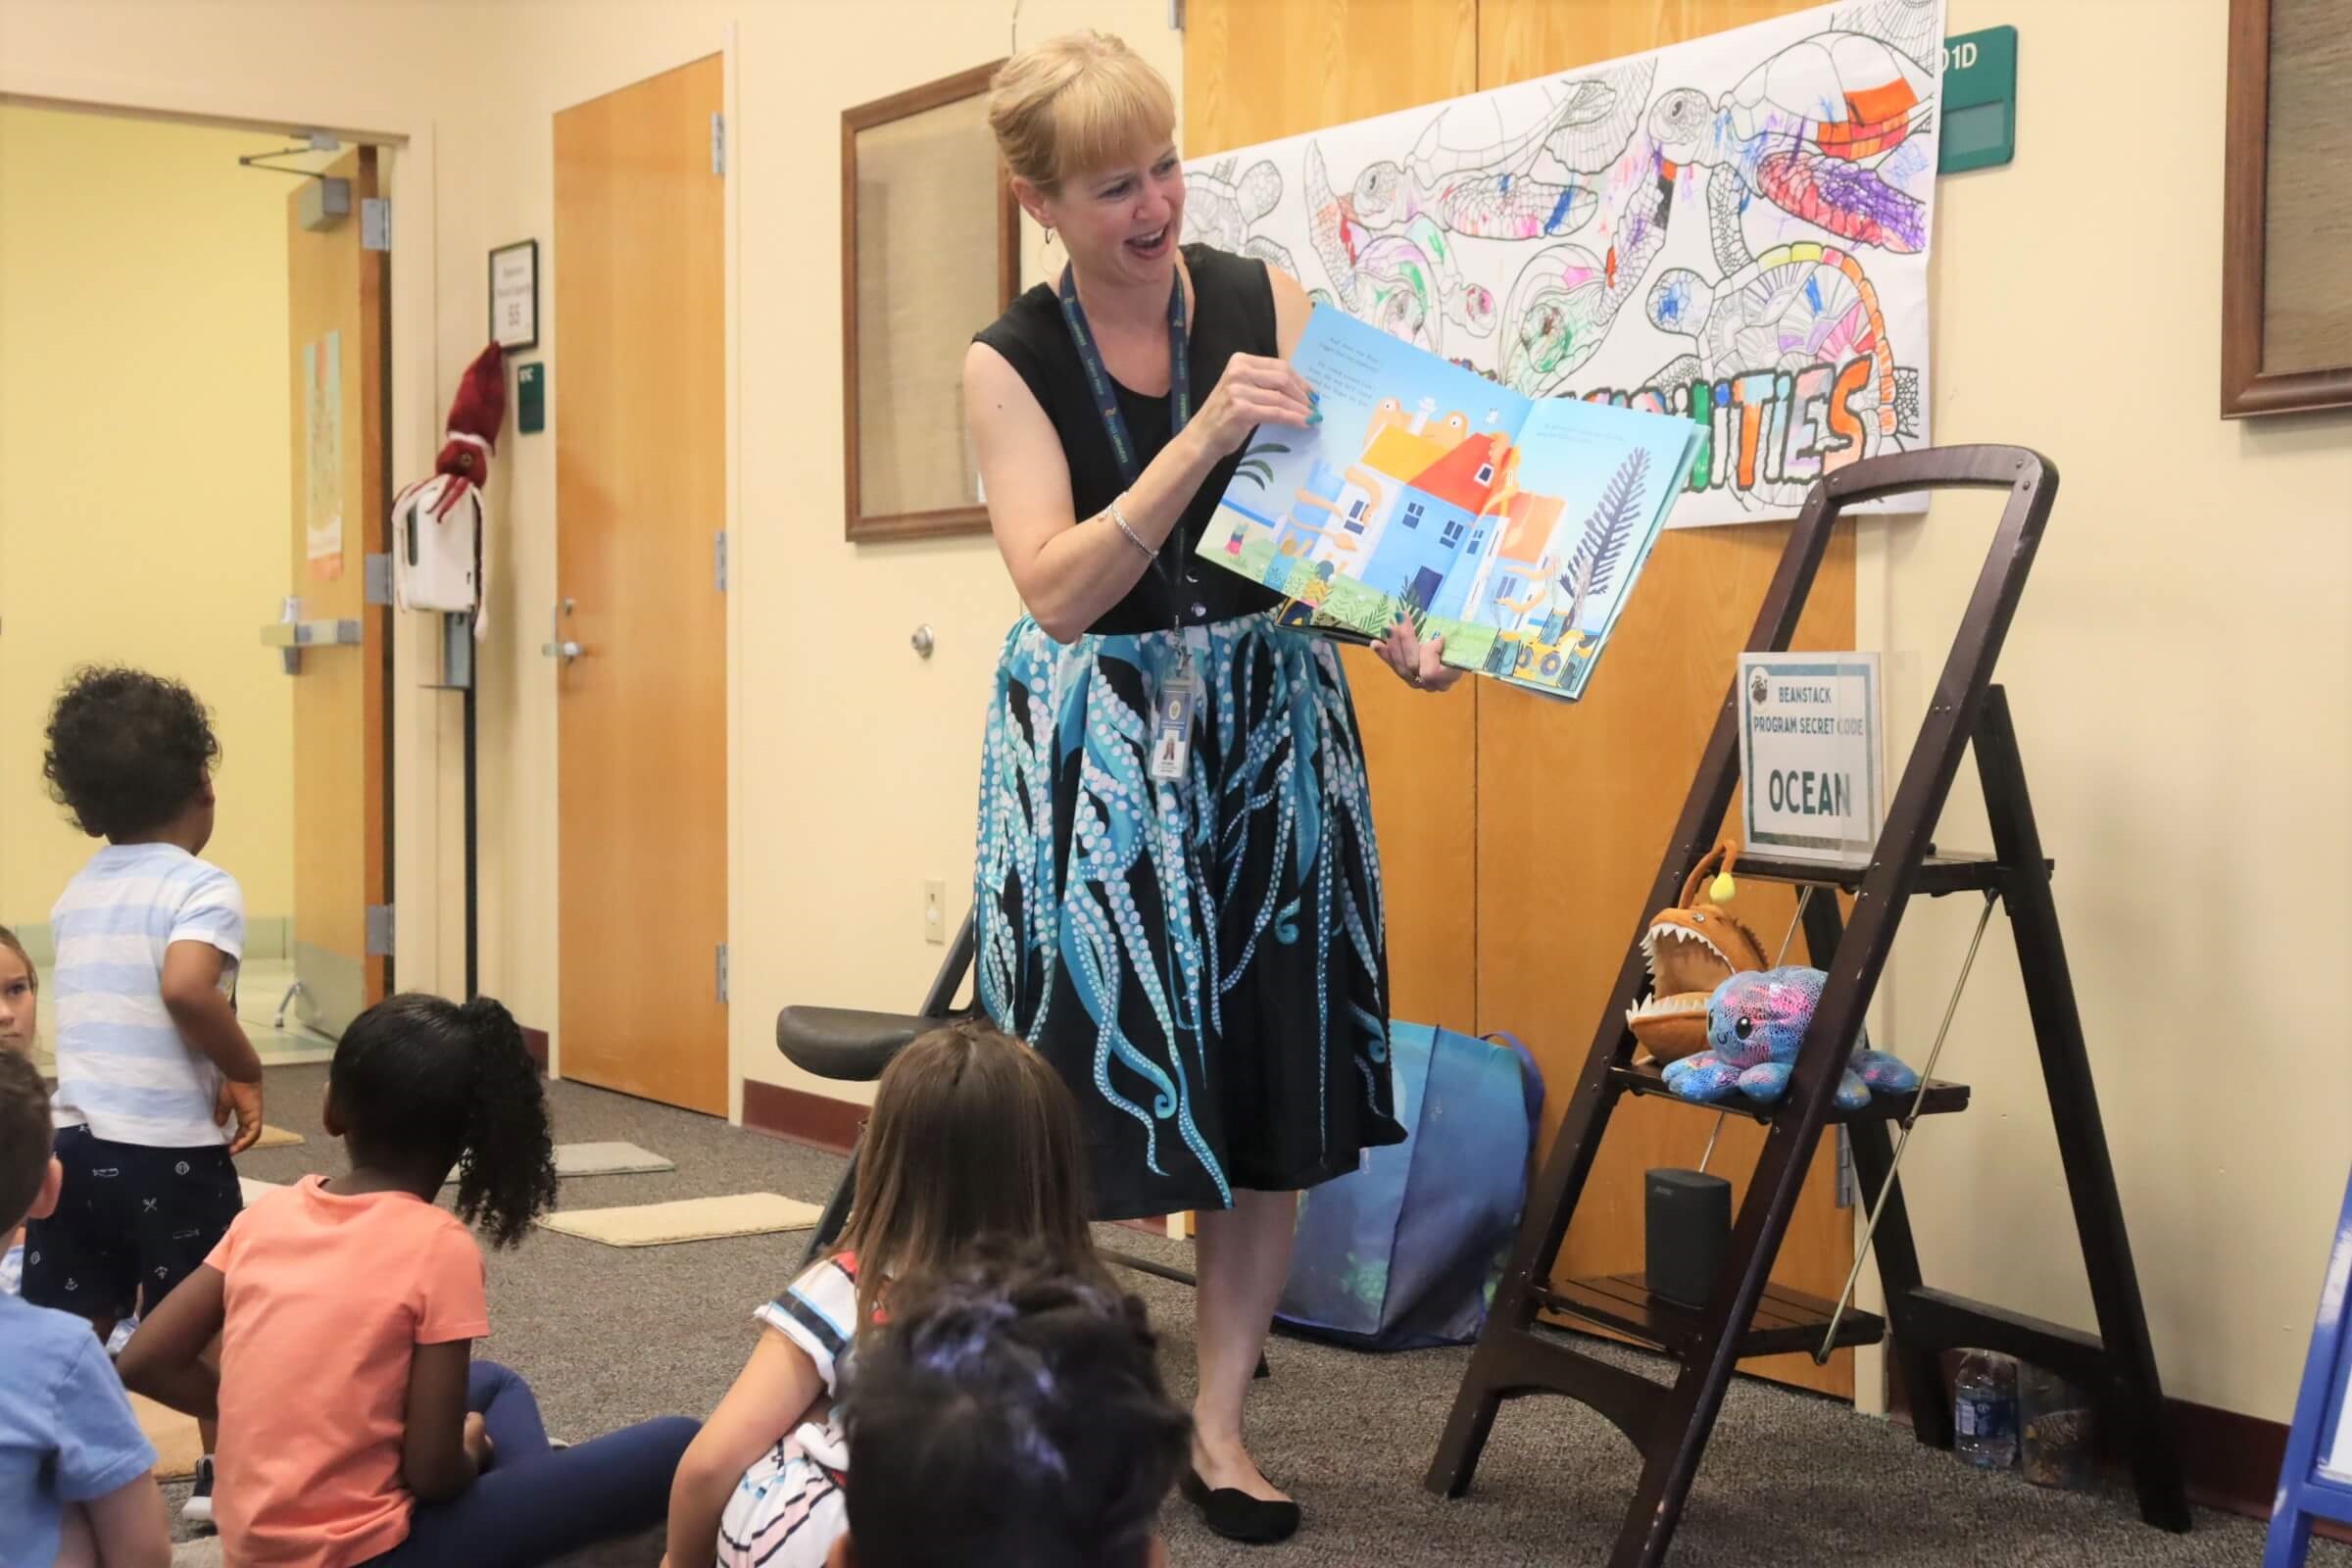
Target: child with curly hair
column 354, row 1429
column 151, row 1060
column 1010, row 1412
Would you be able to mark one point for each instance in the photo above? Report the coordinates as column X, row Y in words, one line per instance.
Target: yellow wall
column 2184, row 701
column 2180, row 673
column 143, row 511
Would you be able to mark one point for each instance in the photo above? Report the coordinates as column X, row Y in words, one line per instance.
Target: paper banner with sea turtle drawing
column 1734, row 228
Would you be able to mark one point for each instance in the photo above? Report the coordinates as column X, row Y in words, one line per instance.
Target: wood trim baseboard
column 2228, row 1461
column 799, row 1116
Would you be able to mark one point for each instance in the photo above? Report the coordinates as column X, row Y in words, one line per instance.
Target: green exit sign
column 1979, row 100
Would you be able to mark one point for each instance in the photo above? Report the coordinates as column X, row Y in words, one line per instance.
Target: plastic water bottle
column 1984, row 1410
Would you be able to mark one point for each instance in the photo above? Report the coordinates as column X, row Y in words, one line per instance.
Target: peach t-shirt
column 327, row 1297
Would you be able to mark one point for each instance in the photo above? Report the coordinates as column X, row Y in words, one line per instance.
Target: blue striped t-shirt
column 121, row 1065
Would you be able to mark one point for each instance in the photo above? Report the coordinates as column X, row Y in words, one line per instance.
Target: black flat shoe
column 1235, row 1515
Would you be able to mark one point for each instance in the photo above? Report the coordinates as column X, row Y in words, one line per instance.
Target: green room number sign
column 1979, row 100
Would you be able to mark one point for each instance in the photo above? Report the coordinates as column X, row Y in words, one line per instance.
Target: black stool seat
column 844, row 1043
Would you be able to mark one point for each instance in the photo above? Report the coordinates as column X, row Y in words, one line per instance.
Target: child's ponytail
column 506, row 1169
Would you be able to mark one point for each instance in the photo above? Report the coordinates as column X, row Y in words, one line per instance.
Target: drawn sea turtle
column 1912, row 27
column 1404, row 283
column 1466, row 174
column 1222, row 211
column 1564, row 299
column 1795, row 307
column 1810, row 130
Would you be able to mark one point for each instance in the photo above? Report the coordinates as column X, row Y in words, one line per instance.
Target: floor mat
column 609, row 1159
column 277, row 1138
column 691, row 1219
column 603, row 1159
column 177, row 1444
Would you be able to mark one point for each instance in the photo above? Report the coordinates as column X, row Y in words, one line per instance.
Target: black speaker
column 1689, row 1224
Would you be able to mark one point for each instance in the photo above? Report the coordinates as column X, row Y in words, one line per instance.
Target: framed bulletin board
column 2287, row 209
column 930, row 239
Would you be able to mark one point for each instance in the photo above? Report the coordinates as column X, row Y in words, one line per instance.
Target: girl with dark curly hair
column 354, row 1431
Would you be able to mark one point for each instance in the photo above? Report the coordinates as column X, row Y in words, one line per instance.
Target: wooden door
column 1558, row 903
column 339, row 297
column 640, row 417
column 1307, row 64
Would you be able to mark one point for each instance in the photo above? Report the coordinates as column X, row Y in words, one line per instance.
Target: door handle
column 562, row 649
column 290, row 635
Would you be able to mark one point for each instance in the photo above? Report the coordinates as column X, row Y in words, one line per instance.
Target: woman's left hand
column 1417, row 664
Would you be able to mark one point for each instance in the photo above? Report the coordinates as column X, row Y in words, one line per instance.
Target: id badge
column 1172, row 712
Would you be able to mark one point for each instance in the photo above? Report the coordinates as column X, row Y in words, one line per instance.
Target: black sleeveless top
column 1233, row 313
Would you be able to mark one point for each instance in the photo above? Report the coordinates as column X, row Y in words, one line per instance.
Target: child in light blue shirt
column 76, row 1475
column 152, row 1065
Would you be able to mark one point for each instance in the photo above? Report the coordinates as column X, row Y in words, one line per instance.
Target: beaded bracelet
column 1119, row 517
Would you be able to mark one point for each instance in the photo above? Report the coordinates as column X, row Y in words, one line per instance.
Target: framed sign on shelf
column 515, row 295
column 930, row 239
column 2287, row 209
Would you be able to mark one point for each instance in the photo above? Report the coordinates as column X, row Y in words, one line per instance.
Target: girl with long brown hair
column 972, row 1135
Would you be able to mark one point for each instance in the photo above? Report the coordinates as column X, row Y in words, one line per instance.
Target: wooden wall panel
column 1575, row 804
column 1311, row 63
column 1519, row 837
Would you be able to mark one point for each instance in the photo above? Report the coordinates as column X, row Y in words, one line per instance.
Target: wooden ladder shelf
column 1745, row 1315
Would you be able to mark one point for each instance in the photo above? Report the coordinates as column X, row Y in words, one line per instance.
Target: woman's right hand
column 1253, row 391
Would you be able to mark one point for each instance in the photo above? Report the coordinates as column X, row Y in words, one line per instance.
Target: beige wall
column 2182, row 699
column 2180, row 673
column 854, row 762
column 143, row 452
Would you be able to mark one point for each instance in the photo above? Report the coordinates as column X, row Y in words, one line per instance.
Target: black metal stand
column 1745, row 1315
column 473, row 879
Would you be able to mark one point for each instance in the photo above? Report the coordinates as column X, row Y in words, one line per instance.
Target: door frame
column 426, row 736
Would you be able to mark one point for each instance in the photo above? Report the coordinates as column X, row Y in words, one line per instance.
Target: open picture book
column 1513, row 527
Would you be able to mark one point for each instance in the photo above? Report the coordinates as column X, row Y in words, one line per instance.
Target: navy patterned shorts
column 131, row 1224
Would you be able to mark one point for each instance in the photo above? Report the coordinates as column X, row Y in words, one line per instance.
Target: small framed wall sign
column 1811, row 761
column 515, row 295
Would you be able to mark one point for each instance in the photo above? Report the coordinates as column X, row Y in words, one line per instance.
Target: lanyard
column 1175, row 702
column 1097, row 378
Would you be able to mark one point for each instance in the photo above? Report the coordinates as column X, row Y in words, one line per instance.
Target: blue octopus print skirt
column 1202, row 960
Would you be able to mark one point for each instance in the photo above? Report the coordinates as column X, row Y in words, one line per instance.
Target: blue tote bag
column 1405, row 1253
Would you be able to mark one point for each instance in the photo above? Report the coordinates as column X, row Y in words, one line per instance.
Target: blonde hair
column 1080, row 102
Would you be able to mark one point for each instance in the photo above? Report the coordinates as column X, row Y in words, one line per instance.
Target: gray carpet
column 610, row 1336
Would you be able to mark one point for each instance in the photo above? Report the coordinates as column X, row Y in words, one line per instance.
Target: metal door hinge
column 723, row 971
column 379, row 930
column 718, row 560
column 1846, row 1182
column 377, row 579
column 376, row 223
column 719, row 145
column 1176, row 15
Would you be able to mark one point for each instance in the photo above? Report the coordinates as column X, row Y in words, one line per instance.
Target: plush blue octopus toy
column 1755, row 1022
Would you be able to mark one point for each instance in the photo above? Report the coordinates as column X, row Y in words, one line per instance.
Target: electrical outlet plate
column 935, row 912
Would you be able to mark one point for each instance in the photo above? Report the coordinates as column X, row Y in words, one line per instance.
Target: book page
column 1429, row 494
column 1369, row 510
column 1610, row 475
